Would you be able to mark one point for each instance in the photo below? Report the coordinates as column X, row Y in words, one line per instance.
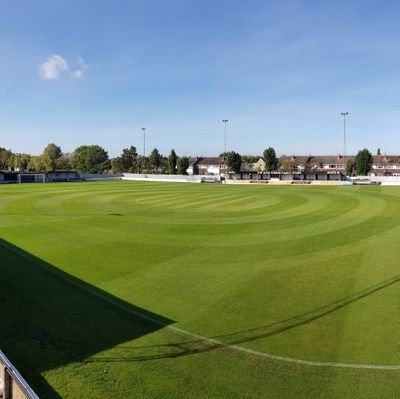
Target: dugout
column 317, row 175
column 8, row 177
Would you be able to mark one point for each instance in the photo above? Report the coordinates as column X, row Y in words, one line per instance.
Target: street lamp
column 144, row 141
column 344, row 132
column 225, row 122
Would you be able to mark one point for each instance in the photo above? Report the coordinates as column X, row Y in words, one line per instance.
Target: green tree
column 129, row 158
column 127, row 161
column 36, row 163
column 11, row 161
column 20, row 161
column 271, row 161
column 4, row 158
column 349, row 168
column 50, row 155
column 363, row 162
column 233, row 160
column 183, row 164
column 90, row 159
column 116, row 165
column 63, row 162
column 250, row 158
column 163, row 168
column 172, row 161
column 142, row 164
column 155, row 160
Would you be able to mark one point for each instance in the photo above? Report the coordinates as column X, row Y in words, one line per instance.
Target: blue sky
column 96, row 71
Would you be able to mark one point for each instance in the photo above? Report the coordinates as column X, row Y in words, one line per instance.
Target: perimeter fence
column 12, row 384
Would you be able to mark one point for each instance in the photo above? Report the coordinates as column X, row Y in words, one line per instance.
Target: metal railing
column 12, row 384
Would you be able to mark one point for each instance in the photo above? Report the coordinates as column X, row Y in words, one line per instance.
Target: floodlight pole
column 225, row 122
column 344, row 132
column 144, row 141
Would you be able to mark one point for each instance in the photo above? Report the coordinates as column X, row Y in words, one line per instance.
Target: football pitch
column 161, row 290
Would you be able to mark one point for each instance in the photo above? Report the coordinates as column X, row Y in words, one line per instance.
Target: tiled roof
column 245, row 167
column 380, row 160
column 211, row 161
column 317, row 159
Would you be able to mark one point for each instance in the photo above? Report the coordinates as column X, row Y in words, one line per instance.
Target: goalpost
column 31, row 178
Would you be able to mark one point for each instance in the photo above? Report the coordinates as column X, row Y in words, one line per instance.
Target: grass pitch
column 156, row 290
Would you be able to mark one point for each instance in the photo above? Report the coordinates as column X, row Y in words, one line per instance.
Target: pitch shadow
column 192, row 347
column 49, row 318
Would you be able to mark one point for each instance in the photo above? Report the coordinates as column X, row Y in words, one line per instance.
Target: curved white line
column 94, row 291
column 246, row 350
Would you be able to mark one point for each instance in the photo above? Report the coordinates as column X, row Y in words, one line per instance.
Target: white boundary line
column 94, row 291
column 246, row 350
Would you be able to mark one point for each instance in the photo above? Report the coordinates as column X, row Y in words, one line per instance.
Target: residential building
column 208, row 166
column 386, row 165
column 383, row 165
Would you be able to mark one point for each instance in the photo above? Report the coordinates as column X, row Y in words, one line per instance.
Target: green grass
column 309, row 273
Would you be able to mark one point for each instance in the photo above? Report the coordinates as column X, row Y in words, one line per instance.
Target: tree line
column 93, row 159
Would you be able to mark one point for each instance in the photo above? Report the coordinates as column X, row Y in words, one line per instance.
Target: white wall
column 162, row 178
column 214, row 170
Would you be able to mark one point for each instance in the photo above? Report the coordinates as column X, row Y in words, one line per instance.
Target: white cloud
column 53, row 67
column 82, row 67
column 77, row 74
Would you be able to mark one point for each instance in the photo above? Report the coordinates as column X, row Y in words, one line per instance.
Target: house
column 246, row 173
column 249, row 171
column 213, row 166
column 329, row 163
column 259, row 166
column 192, row 169
column 296, row 168
column 385, row 165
